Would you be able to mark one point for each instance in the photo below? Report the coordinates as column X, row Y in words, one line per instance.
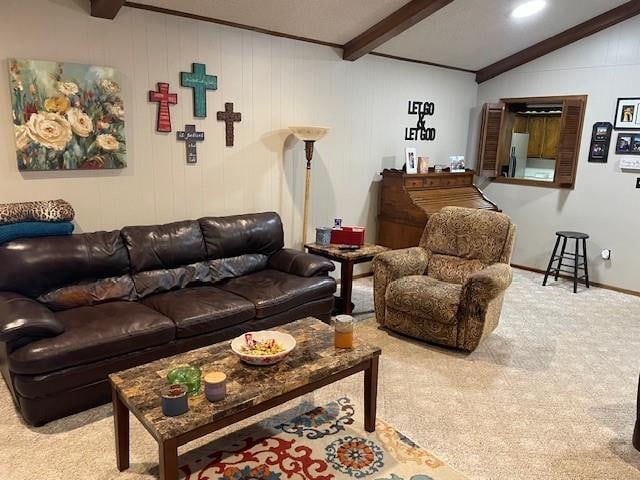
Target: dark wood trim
column 421, row 62
column 554, row 99
column 106, row 8
column 526, row 181
column 562, row 39
column 391, row 26
column 193, row 16
column 568, row 277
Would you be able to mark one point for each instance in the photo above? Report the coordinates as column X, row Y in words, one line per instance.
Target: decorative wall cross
column 422, row 109
column 200, row 82
column 228, row 117
column 164, row 99
column 190, row 137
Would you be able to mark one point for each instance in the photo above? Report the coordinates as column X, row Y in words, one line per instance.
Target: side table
column 347, row 259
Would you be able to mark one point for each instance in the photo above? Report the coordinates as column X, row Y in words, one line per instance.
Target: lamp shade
column 309, row 132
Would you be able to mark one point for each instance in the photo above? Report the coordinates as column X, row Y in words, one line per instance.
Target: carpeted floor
column 550, row 395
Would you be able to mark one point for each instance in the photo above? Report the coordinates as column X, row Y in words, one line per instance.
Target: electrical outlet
column 638, row 182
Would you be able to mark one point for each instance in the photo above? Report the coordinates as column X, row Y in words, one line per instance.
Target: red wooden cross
column 164, row 98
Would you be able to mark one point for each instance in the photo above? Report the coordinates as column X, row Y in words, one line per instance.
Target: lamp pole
column 308, row 149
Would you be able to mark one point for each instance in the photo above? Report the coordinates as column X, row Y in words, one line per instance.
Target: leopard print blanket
column 41, row 211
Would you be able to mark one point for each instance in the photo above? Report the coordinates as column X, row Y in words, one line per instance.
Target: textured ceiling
column 469, row 34
column 334, row 21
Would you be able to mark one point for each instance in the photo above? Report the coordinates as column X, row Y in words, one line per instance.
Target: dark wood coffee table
column 314, row 363
column 347, row 259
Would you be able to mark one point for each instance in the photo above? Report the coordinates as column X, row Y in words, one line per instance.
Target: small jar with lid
column 215, row 386
column 344, row 331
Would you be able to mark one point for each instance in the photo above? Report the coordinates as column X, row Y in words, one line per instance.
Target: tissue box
column 348, row 236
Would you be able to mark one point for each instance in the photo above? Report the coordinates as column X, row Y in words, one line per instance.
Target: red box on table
column 348, row 236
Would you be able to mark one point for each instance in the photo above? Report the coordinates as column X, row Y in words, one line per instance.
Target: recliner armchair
column 448, row 290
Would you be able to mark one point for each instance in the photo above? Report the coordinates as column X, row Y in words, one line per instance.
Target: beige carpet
column 550, row 395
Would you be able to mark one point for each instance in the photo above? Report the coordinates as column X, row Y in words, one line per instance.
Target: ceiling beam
column 396, row 23
column 106, row 8
column 594, row 25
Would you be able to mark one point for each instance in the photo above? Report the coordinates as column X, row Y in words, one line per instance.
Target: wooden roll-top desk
column 407, row 200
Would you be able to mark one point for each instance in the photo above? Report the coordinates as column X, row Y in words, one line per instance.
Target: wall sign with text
column 420, row 131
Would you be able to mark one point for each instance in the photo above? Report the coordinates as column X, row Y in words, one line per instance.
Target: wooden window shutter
column 569, row 141
column 489, row 148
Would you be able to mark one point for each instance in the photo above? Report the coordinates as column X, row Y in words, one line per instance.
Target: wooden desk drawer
column 413, row 182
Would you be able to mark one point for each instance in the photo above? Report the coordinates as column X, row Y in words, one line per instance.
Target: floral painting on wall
column 66, row 116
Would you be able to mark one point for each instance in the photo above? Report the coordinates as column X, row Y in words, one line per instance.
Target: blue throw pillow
column 34, row 229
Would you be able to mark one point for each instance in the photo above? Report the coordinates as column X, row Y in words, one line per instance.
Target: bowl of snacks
column 266, row 347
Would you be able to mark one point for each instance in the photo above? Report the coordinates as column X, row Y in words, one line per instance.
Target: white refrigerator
column 518, row 154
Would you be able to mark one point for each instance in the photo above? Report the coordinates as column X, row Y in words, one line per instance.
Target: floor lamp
column 309, row 134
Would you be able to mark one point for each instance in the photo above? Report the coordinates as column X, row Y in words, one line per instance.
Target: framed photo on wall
column 411, row 160
column 625, row 142
column 600, row 139
column 627, row 114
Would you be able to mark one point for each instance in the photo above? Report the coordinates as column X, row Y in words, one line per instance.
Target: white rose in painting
column 67, row 88
column 22, row 137
column 116, row 109
column 50, row 130
column 108, row 142
column 80, row 122
column 109, row 86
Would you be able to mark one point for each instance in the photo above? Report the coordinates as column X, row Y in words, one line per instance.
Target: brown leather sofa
column 74, row 309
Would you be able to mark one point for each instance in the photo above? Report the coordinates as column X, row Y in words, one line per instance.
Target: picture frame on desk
column 456, row 164
column 411, row 160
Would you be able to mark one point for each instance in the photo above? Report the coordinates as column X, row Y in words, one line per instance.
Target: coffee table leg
column 168, row 460
column 370, row 395
column 121, row 426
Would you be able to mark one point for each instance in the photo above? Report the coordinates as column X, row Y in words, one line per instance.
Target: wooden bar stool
column 577, row 261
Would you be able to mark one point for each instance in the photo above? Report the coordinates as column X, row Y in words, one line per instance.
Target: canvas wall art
column 67, row 116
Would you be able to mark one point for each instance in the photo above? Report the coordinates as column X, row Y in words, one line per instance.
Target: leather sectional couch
column 74, row 309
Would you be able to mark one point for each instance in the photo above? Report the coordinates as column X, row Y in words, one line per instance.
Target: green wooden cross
column 200, row 82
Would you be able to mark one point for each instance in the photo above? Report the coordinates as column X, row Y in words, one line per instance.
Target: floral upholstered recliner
column 448, row 290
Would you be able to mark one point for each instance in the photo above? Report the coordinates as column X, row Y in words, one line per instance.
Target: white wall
column 605, row 202
column 273, row 82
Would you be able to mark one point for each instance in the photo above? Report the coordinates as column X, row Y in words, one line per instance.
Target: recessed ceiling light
column 528, row 8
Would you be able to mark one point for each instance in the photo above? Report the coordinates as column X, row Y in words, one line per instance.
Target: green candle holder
column 186, row 375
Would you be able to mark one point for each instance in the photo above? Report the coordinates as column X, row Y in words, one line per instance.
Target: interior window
column 532, row 141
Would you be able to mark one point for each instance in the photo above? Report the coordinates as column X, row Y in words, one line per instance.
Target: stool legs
column 579, row 259
column 576, row 259
column 553, row 255
column 564, row 245
column 584, row 259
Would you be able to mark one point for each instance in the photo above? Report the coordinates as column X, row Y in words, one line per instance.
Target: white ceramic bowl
column 284, row 339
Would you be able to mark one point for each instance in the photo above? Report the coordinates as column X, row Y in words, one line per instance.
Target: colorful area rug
column 322, row 444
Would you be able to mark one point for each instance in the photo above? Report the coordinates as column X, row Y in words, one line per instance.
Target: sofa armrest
column 391, row 265
column 299, row 263
column 22, row 317
column 480, row 304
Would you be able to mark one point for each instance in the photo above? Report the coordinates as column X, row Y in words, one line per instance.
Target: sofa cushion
column 469, row 233
column 239, row 234
column 202, row 309
column 425, row 297
column 33, row 266
column 272, row 291
column 94, row 333
column 166, row 256
column 157, row 247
